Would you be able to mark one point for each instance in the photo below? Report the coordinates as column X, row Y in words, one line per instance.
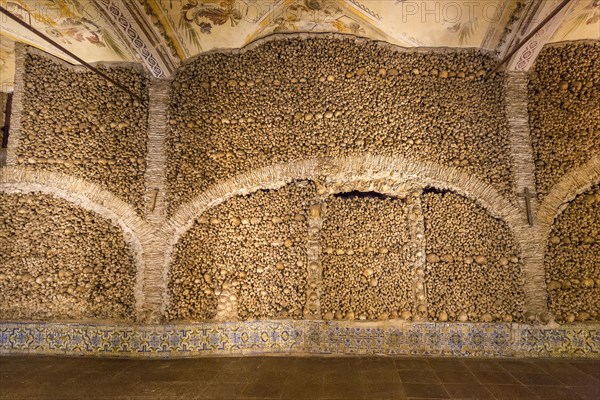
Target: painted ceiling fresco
column 76, row 24
column 199, row 26
column 7, row 64
column 205, row 25
column 581, row 23
column 162, row 33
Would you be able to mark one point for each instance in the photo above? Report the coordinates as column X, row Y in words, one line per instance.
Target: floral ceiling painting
column 582, row 23
column 204, row 25
column 163, row 33
column 206, row 15
column 75, row 24
column 209, row 24
column 311, row 15
column 319, row 16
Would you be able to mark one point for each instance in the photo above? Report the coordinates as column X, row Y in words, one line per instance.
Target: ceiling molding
column 500, row 32
column 132, row 24
column 518, row 28
column 170, row 27
column 524, row 58
column 364, row 9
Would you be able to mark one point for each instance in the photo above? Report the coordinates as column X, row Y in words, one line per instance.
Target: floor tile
column 32, row 390
column 262, row 390
column 420, row 376
column 315, row 379
column 377, row 362
column 344, row 391
column 211, row 363
column 590, row 367
column 484, row 365
column 575, row 378
column 588, row 392
column 520, row 366
column 456, row 376
column 232, row 376
column 557, row 367
column 64, row 378
column 219, row 391
column 467, row 391
column 386, row 374
column 409, row 363
column 302, row 390
column 425, row 390
column 342, row 375
column 445, row 363
column 554, row 393
column 179, row 390
column 511, row 392
column 536, row 379
column 487, row 377
column 384, row 390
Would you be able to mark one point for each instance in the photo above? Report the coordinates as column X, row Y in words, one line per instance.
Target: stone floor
column 33, row 377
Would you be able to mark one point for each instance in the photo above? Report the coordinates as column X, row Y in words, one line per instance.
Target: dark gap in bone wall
column 430, row 189
column 356, row 194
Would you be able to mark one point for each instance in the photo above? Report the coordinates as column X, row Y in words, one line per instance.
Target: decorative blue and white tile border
column 301, row 338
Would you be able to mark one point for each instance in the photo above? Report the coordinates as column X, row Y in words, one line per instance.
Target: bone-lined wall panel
column 76, row 123
column 564, row 110
column 473, row 269
column 294, row 99
column 572, row 260
column 367, row 258
column 60, row 261
column 302, row 111
column 244, row 258
column 347, row 256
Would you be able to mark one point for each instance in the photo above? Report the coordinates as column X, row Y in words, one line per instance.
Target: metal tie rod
column 70, row 54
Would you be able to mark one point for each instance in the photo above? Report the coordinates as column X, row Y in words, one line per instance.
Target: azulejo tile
column 566, row 341
column 301, row 337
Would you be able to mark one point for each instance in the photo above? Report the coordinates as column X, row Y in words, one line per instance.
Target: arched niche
column 136, row 233
column 474, row 266
column 244, row 258
column 387, row 175
column 572, row 260
column 371, row 175
column 62, row 261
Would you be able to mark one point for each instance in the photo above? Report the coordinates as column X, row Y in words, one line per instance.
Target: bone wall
column 247, row 258
column 473, row 269
column 367, row 258
column 253, row 248
column 564, row 116
column 252, row 256
column 294, row 99
column 60, row 261
column 76, row 123
column 572, row 260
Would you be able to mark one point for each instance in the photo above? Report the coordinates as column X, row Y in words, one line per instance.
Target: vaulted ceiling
column 162, row 33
